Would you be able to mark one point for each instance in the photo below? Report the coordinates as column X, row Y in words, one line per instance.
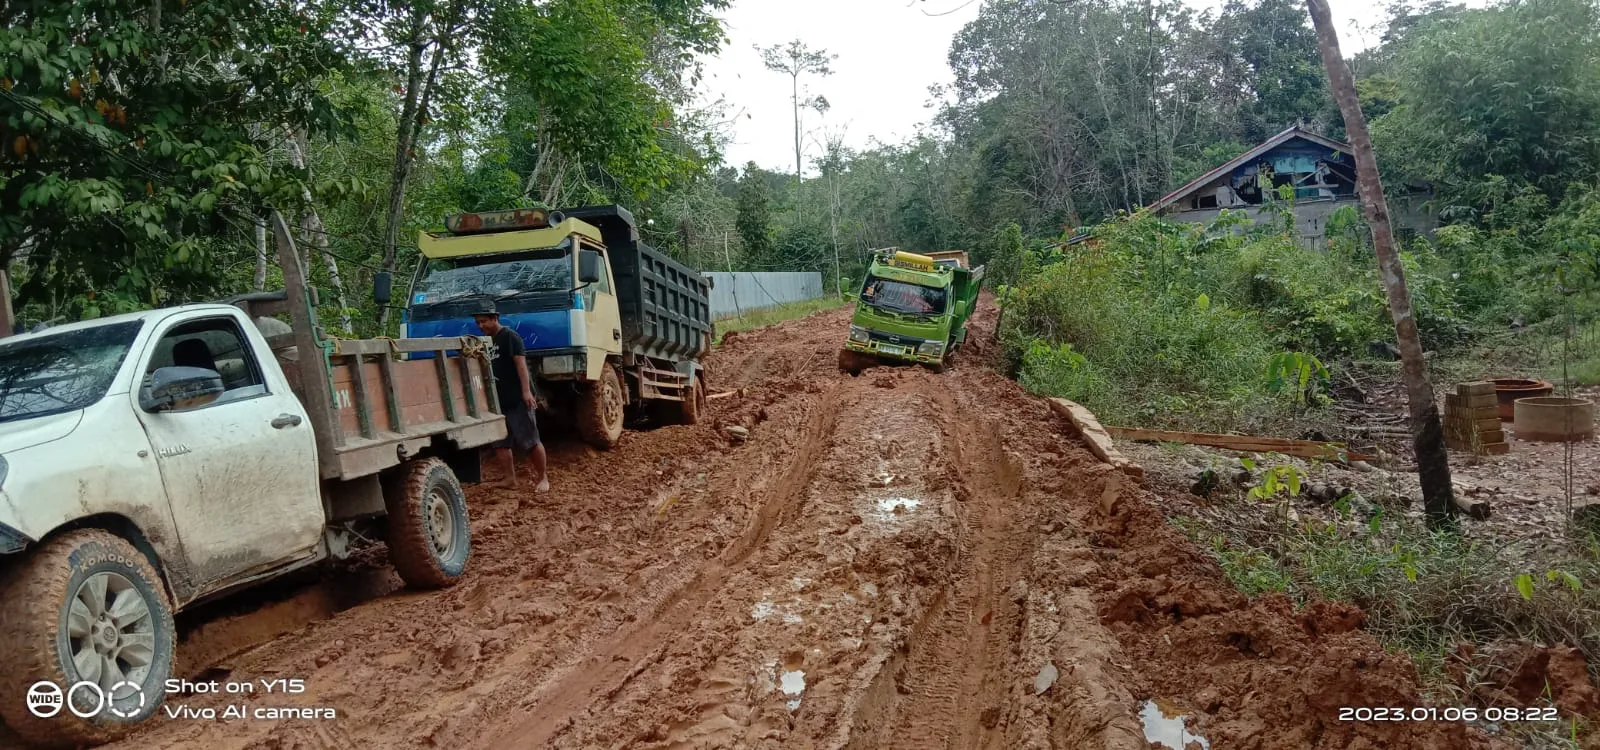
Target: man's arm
column 527, row 383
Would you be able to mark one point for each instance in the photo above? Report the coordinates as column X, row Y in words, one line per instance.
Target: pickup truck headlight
column 859, row 334
column 930, row 348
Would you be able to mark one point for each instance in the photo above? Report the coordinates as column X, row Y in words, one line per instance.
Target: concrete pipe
column 1553, row 419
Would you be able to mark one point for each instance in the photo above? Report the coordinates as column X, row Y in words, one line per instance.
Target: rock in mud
column 737, row 433
column 1046, row 677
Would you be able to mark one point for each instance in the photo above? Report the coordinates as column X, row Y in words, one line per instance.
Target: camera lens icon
column 45, row 699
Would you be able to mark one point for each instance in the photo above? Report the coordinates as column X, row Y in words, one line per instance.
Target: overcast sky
column 889, row 53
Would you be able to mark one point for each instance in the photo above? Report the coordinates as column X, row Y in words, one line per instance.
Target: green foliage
column 1283, row 479
column 755, row 220
column 1508, row 92
column 1143, row 348
column 1300, row 374
column 132, row 150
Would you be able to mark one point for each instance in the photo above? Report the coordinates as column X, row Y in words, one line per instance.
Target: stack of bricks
column 1472, row 420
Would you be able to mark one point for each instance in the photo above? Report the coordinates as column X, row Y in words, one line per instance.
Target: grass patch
column 778, row 314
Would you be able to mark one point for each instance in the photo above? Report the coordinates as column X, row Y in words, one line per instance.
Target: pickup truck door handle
column 286, row 420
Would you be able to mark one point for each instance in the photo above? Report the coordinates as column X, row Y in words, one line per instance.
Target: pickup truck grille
column 456, row 309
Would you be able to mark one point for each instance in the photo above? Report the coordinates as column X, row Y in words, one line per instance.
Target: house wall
column 1311, row 217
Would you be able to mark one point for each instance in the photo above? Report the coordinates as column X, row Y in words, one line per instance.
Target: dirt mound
column 1525, row 674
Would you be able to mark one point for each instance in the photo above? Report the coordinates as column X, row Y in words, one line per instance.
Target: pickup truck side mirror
column 382, row 287
column 589, row 271
column 170, row 388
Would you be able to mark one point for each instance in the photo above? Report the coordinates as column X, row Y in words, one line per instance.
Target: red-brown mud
column 901, row 559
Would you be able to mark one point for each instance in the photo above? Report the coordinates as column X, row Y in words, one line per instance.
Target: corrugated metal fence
column 737, row 292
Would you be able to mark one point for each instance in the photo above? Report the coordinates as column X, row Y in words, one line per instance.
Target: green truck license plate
column 898, row 351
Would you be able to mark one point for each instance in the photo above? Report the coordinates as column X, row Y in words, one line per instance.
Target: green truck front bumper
column 884, row 350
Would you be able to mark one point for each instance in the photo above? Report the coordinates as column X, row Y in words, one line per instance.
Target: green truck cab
column 911, row 309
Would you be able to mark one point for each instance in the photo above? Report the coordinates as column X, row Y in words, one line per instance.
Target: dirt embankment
column 899, row 559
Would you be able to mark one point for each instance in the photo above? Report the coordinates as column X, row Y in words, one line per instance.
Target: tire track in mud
column 946, row 686
column 558, row 703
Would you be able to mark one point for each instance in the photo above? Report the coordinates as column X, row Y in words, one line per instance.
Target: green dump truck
column 911, row 309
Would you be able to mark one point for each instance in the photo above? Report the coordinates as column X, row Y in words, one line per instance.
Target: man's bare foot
column 505, row 484
column 544, row 485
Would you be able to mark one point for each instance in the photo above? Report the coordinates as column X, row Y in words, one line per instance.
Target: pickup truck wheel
column 429, row 540
column 600, row 410
column 85, row 607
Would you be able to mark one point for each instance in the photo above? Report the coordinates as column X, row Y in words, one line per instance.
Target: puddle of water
column 898, row 505
column 792, row 683
column 766, row 608
column 1163, row 724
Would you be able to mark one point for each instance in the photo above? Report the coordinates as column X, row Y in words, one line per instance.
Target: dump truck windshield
column 900, row 297
column 61, row 372
column 502, row 274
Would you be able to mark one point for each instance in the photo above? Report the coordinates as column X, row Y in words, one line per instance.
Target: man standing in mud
column 515, row 388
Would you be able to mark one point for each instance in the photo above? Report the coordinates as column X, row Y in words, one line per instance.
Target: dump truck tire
column 854, row 362
column 86, row 597
column 693, row 401
column 428, row 532
column 600, row 410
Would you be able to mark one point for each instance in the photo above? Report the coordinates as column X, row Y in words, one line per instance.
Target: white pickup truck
column 153, row 460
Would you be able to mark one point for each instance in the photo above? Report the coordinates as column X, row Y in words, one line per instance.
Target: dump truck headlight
column 930, row 348
column 859, row 334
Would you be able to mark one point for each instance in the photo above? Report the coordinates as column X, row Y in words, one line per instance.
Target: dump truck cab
column 611, row 326
column 911, row 309
column 549, row 277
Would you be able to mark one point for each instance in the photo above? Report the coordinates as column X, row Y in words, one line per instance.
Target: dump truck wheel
column 693, row 401
column 853, row 362
column 600, row 410
column 84, row 607
column 429, row 537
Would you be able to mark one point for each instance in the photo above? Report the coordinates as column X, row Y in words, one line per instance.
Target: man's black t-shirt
column 508, row 384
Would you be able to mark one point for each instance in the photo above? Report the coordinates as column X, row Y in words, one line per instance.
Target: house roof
column 1234, row 163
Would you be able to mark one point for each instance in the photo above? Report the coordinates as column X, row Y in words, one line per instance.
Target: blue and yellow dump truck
column 612, row 326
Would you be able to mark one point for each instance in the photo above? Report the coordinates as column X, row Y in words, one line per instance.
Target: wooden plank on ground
column 1243, row 443
column 1095, row 436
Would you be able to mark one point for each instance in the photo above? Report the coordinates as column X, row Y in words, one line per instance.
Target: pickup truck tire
column 600, row 410
column 429, row 539
column 95, row 583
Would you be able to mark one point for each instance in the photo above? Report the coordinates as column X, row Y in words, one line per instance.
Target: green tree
column 795, row 59
column 136, row 142
column 755, row 217
column 1510, row 91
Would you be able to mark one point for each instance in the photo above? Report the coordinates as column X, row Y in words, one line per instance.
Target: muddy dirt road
column 895, row 560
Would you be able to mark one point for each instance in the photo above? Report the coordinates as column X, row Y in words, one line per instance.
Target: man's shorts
column 522, row 429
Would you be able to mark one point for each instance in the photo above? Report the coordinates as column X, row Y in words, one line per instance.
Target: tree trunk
column 259, row 282
column 419, row 90
column 314, row 234
column 795, row 99
column 1433, row 463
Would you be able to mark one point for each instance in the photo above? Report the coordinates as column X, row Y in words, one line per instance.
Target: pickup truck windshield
column 501, row 274
column 900, row 297
column 61, row 372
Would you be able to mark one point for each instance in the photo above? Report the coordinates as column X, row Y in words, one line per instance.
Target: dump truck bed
column 665, row 305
